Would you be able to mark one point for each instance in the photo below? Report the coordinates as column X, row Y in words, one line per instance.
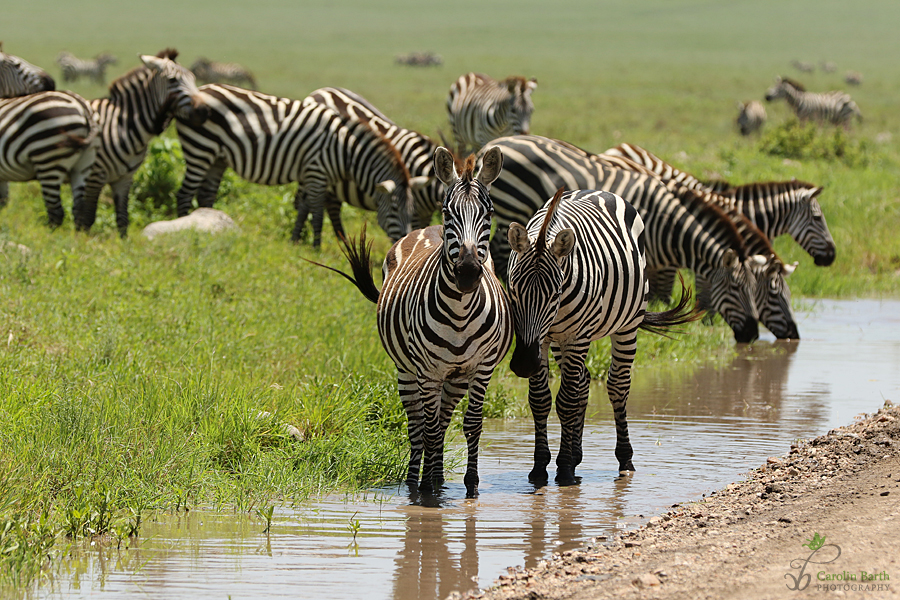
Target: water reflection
column 691, row 431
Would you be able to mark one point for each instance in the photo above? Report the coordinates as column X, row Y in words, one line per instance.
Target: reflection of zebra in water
column 209, row 71
column 680, row 232
column 275, row 141
column 442, row 316
column 19, row 77
column 576, row 274
column 51, row 137
column 94, row 69
column 751, row 116
column 140, row 105
column 482, row 109
column 834, row 107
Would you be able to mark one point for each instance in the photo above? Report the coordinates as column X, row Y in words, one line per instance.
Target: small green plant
column 804, row 141
column 266, row 515
column 816, row 542
column 155, row 183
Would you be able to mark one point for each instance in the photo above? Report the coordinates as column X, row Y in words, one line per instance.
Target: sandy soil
column 747, row 540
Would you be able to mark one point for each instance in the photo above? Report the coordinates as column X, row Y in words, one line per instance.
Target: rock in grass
column 202, row 219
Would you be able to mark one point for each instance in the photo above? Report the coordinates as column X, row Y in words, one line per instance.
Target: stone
column 207, row 220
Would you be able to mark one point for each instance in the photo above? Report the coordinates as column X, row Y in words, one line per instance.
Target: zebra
column 681, row 232
column 803, row 66
column 140, row 106
column 443, row 316
column 420, row 59
column 416, row 150
column 216, row 72
column 19, row 77
column 482, row 109
column 74, row 68
column 642, row 161
column 834, row 107
column 775, row 207
column 51, row 137
column 751, row 116
column 576, row 274
column 853, row 78
column 274, row 141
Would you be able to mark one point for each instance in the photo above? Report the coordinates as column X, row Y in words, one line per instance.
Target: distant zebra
column 275, row 141
column 803, row 66
column 576, row 274
column 19, row 77
column 416, row 150
column 140, row 106
column 751, row 117
column 209, row 71
column 74, row 68
column 681, row 232
column 834, row 107
column 827, row 66
column 443, row 316
column 853, row 78
column 51, row 137
column 482, row 109
column 420, row 59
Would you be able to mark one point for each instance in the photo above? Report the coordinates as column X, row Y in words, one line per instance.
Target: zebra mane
column 541, row 243
column 793, row 83
column 791, row 184
column 465, row 167
column 709, row 211
column 170, row 53
column 395, row 156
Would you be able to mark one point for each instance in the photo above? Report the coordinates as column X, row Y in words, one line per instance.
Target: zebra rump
column 18, row 77
column 832, row 107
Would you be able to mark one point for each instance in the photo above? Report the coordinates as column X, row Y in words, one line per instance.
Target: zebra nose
column 199, row 111
column 47, row 83
column 467, row 269
column 824, row 259
column 526, row 359
column 747, row 331
column 791, row 334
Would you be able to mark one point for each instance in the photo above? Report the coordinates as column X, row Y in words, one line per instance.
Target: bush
column 155, row 183
column 797, row 140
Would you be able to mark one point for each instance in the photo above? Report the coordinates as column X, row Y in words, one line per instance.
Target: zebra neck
column 450, row 295
column 142, row 106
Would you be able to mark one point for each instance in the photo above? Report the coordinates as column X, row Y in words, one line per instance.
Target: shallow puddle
column 691, row 433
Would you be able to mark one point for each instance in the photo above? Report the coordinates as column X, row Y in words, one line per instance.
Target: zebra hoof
column 626, row 468
column 566, row 477
column 538, row 475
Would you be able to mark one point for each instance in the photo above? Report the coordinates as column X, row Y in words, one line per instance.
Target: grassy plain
column 133, row 373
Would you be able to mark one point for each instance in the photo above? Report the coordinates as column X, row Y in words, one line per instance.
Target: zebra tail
column 78, row 142
column 359, row 258
column 681, row 314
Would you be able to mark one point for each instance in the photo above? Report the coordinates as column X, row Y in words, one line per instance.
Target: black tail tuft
column 660, row 322
column 359, row 258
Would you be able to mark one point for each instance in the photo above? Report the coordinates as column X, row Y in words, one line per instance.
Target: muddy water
column 692, row 432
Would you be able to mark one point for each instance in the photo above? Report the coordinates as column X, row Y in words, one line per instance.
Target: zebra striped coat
column 751, row 116
column 832, row 107
column 482, row 109
column 576, row 274
column 274, row 141
column 19, row 77
column 51, row 137
column 140, row 105
column 94, row 69
column 216, row 72
column 443, row 316
column 681, row 232
column 416, row 151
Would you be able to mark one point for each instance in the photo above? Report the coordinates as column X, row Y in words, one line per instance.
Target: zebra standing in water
column 95, row 69
column 751, row 116
column 482, row 109
column 443, row 316
column 274, row 141
column 576, row 274
column 416, row 150
column 834, row 107
column 681, row 232
column 216, row 72
column 18, row 77
column 139, row 107
column 51, row 137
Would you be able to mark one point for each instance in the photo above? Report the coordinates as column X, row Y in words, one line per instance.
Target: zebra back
column 482, row 109
column 18, row 77
column 834, row 107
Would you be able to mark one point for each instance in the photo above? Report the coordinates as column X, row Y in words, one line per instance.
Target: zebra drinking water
column 443, row 316
column 18, row 77
column 482, row 109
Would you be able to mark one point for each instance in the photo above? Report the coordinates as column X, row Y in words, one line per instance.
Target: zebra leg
column 430, row 400
column 120, row 191
column 302, row 214
column 50, row 184
column 333, row 207
column 661, row 282
column 209, row 189
column 415, row 417
column 314, row 196
column 472, row 424
column 540, row 399
column 451, row 394
column 618, row 386
column 4, row 193
column 194, row 176
column 84, row 210
column 571, row 406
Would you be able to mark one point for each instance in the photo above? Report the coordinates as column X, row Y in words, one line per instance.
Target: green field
column 133, row 373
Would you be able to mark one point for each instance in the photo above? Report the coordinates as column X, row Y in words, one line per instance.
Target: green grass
column 133, row 374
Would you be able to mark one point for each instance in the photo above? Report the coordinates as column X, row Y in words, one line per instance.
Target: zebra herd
column 577, row 265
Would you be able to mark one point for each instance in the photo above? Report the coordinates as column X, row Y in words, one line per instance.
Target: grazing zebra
column 853, row 78
column 576, row 274
column 443, row 316
column 803, row 66
column 416, row 150
column 420, row 59
column 751, row 116
column 216, row 72
column 828, row 66
column 95, row 69
column 834, row 107
column 140, row 106
column 682, row 232
column 482, row 109
column 19, row 77
column 274, row 141
column 776, row 207
column 51, row 137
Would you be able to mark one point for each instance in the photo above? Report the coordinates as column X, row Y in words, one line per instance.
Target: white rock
column 202, row 219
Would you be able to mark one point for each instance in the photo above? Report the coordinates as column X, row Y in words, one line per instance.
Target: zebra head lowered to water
column 19, row 77
column 443, row 316
column 577, row 274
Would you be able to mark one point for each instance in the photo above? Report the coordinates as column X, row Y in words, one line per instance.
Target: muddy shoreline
column 838, row 493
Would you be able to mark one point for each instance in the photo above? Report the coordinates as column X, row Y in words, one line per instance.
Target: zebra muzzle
column 526, row 359
column 467, row 270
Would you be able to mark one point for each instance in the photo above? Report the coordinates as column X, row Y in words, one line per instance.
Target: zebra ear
column 518, row 238
column 729, row 259
column 157, row 64
column 491, row 165
column 532, row 84
column 563, row 243
column 443, row 166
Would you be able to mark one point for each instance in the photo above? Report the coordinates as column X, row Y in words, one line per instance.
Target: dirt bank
column 747, row 540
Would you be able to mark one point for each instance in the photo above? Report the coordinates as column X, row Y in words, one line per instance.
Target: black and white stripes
column 482, row 109
column 19, row 77
column 208, row 71
column 832, row 107
column 73, row 68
